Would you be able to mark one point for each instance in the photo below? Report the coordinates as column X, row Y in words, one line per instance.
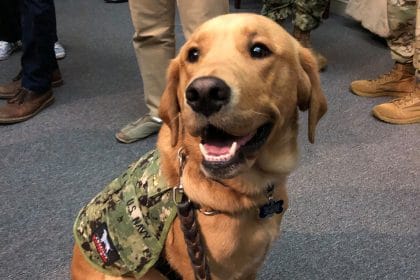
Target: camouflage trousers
column 401, row 21
column 307, row 14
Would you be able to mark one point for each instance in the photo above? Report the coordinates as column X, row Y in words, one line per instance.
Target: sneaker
column 398, row 82
column 6, row 49
column 59, row 50
column 404, row 110
column 10, row 89
column 24, row 105
column 141, row 128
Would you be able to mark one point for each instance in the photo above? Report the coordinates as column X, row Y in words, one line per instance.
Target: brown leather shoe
column 56, row 79
column 24, row 105
column 9, row 90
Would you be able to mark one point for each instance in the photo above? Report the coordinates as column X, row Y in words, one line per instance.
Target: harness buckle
column 179, row 196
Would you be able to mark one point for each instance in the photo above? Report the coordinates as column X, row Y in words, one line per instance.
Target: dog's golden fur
column 267, row 89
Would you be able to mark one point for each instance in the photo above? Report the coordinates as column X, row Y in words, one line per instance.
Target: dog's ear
column 169, row 106
column 310, row 94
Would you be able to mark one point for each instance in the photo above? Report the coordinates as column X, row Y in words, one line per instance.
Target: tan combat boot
column 397, row 83
column 404, row 110
column 304, row 39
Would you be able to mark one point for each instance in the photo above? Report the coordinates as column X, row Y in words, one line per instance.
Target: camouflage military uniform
column 401, row 21
column 122, row 231
column 306, row 14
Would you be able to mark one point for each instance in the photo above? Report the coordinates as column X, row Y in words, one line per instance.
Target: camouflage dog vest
column 122, row 231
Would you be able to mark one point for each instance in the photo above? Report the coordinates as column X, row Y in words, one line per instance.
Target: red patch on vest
column 104, row 245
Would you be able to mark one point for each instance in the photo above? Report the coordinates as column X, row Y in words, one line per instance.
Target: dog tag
column 271, row 208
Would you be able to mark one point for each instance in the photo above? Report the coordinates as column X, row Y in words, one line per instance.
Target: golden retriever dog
column 231, row 105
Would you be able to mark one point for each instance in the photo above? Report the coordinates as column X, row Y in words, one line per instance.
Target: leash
column 190, row 227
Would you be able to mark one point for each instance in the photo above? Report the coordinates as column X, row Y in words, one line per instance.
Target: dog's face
column 233, row 93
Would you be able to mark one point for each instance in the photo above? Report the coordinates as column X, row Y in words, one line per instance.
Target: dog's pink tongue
column 225, row 148
column 217, row 149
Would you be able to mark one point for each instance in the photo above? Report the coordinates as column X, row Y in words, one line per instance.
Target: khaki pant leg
column 195, row 12
column 154, row 45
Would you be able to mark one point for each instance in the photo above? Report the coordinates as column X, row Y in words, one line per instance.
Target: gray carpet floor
column 354, row 211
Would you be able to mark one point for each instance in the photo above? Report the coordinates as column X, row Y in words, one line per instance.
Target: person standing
column 10, row 31
column 32, row 92
column 401, row 81
column 307, row 16
column 154, row 45
column 9, row 28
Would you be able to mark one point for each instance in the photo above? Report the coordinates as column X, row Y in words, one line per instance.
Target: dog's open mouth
column 220, row 149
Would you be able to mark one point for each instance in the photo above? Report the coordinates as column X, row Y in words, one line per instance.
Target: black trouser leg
column 9, row 21
column 38, row 37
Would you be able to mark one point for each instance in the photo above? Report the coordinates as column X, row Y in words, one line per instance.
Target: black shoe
column 115, row 1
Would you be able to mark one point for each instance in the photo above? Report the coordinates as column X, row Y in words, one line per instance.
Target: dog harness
column 122, row 230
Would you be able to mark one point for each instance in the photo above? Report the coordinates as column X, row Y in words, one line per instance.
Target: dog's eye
column 259, row 50
column 193, row 55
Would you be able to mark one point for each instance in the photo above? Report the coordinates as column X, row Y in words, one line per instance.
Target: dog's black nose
column 206, row 95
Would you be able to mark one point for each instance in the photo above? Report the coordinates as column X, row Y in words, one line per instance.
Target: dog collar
column 192, row 234
column 264, row 211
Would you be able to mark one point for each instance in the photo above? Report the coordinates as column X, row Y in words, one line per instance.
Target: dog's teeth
column 233, row 148
column 219, row 158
